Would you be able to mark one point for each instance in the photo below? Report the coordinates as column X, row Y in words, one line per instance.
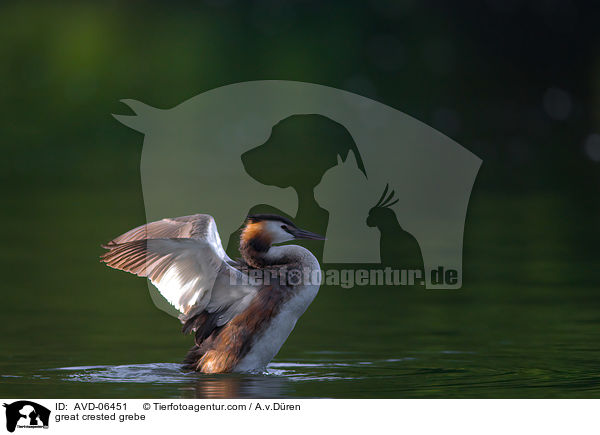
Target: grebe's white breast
column 269, row 341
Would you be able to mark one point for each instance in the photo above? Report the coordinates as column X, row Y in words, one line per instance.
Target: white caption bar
column 264, row 416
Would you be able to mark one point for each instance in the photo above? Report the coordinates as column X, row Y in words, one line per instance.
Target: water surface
column 525, row 324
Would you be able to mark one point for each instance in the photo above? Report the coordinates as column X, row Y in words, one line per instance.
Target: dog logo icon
column 26, row 414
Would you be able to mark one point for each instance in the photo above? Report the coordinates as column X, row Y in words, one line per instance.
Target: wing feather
column 196, row 226
column 183, row 257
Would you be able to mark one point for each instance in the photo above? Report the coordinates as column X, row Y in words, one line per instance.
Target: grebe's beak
column 303, row 234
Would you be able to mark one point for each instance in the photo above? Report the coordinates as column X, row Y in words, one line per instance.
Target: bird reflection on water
column 193, row 385
column 239, row 386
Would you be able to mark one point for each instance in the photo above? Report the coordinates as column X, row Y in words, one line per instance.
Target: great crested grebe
column 240, row 322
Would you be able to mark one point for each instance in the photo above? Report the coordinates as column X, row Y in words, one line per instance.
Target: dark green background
column 526, row 322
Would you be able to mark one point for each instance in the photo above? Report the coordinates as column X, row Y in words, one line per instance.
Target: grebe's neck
column 254, row 252
column 254, row 246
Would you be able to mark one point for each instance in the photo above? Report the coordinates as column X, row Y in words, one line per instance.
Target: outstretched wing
column 183, row 257
column 196, row 226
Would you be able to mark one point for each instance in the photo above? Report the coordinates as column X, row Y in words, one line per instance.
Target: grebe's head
column 266, row 229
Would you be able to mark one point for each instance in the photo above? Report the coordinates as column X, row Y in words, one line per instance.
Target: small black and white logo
column 26, row 414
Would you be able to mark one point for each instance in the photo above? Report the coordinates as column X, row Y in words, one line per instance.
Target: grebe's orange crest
column 255, row 230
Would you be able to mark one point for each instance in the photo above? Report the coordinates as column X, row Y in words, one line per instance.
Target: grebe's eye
column 284, row 228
